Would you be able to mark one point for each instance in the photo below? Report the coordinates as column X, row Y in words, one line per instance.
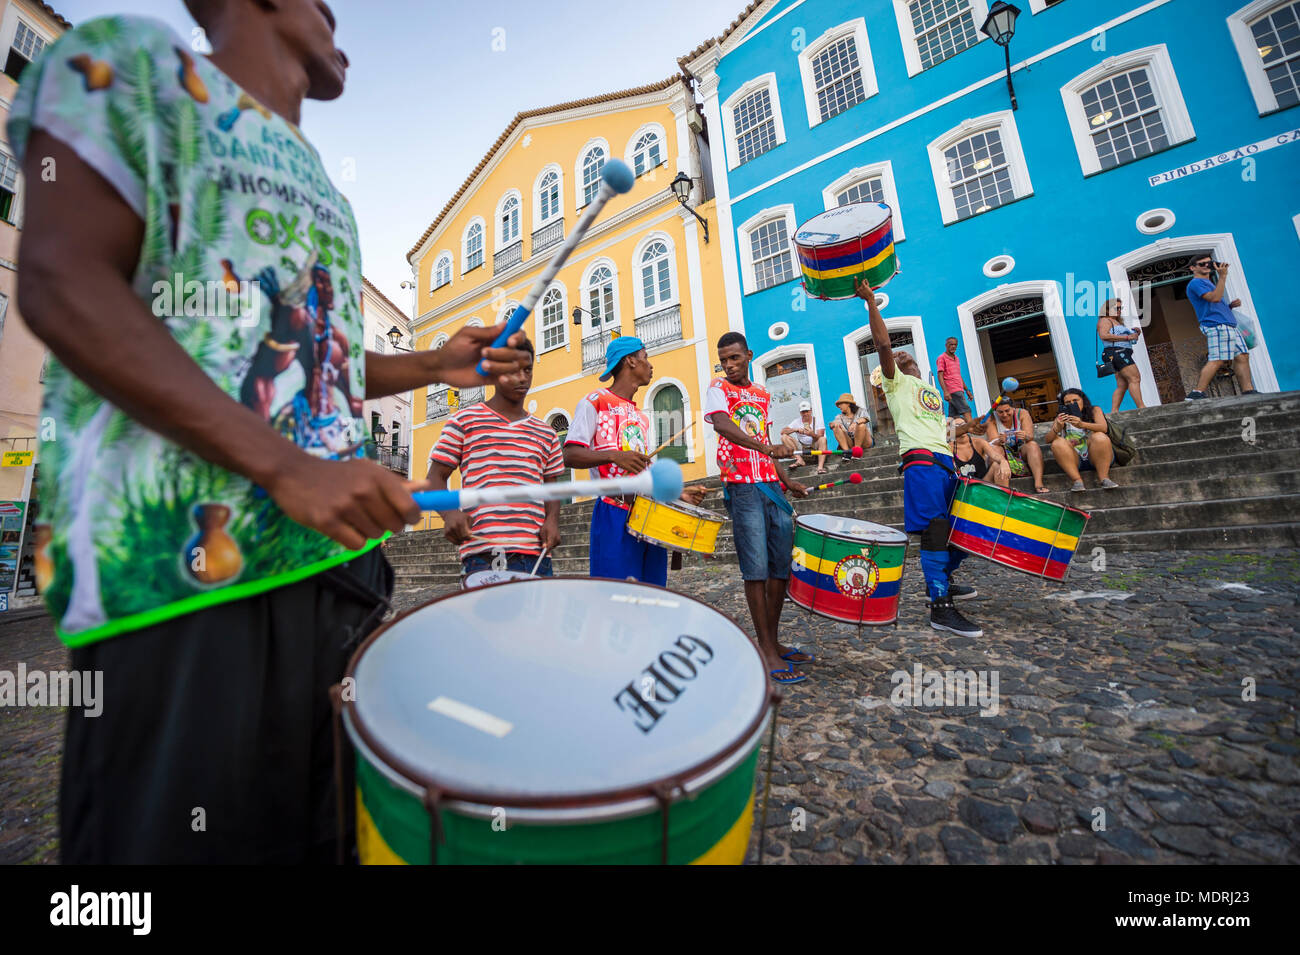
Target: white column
column 722, row 191
column 703, row 346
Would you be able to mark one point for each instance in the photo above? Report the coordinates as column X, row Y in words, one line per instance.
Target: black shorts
column 1120, row 358
column 957, row 405
column 216, row 742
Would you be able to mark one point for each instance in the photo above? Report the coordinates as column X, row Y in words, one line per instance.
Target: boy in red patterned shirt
column 760, row 515
column 609, row 435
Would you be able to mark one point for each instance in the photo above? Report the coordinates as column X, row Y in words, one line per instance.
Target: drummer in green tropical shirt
column 929, row 477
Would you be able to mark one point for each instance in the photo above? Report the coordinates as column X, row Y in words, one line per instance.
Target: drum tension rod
column 432, row 797
column 664, row 793
column 777, row 697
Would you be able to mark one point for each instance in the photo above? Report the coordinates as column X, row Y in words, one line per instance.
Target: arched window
column 592, row 163
column 647, row 153
column 548, row 196
column 766, row 255
column 656, row 279
column 508, row 221
column 553, row 326
column 670, row 421
column 600, row 297
column 442, row 271
column 474, row 246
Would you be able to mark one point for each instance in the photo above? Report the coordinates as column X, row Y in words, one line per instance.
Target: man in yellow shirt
column 929, row 478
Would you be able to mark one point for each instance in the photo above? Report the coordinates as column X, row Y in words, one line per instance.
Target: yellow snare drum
column 676, row 525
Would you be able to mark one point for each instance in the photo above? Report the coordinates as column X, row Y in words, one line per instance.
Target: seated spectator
column 1119, row 340
column 851, row 427
column 802, row 434
column 1010, row 434
column 973, row 458
column 1079, row 440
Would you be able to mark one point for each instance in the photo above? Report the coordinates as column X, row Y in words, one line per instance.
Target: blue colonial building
column 1143, row 135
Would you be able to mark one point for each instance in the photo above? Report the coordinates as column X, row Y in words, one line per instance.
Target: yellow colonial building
column 645, row 267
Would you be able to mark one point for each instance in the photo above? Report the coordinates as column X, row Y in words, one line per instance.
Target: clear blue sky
column 427, row 94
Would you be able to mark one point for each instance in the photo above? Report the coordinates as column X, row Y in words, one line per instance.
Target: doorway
column 1015, row 341
column 882, row 422
column 788, row 383
column 670, row 422
column 1176, row 347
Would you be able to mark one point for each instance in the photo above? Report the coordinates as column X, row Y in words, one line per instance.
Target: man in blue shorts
column 1218, row 324
column 929, row 478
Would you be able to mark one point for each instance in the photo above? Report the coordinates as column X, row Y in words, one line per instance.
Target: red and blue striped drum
column 846, row 569
column 844, row 244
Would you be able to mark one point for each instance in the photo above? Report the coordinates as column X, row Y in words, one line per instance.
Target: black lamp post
column 681, row 187
column 1000, row 26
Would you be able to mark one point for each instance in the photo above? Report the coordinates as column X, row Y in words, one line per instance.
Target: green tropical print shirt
column 250, row 258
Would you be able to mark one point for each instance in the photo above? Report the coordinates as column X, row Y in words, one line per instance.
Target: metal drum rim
column 418, row 782
column 850, row 538
column 687, row 508
column 887, row 220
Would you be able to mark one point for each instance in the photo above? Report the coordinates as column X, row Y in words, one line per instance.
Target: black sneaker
column 943, row 616
column 1195, row 396
column 962, row 592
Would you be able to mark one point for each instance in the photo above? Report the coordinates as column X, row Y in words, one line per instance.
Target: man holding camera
column 1218, row 324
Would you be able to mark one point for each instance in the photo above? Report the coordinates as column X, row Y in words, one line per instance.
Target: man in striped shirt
column 498, row 442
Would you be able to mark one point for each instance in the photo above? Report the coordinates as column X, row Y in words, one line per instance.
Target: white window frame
column 538, row 221
column 858, row 30
column 464, row 245
column 746, row 246
column 1164, row 83
column 578, row 201
column 1037, row 6
column 898, row 323
column 884, row 171
column 1248, row 53
column 432, row 389
column 501, row 241
column 912, row 53
column 584, row 294
column 729, row 119
column 475, row 322
column 629, row 153
column 1005, row 122
column 675, row 294
column 564, row 322
column 451, row 270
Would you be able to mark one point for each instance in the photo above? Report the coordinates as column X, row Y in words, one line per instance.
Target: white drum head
column 842, row 223
column 557, row 687
column 846, row 528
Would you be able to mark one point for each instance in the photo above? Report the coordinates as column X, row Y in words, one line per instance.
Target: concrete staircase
column 1223, row 473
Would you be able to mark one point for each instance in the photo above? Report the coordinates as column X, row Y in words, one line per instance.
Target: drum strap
column 921, row 456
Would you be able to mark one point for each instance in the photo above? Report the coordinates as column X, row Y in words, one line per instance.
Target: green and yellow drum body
column 557, row 721
column 845, row 244
column 846, row 569
column 1016, row 530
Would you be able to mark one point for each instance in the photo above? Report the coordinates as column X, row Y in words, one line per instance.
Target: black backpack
column 1119, row 440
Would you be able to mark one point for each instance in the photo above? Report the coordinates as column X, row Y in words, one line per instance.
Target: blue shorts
column 927, row 493
column 763, row 532
column 617, row 555
column 523, row 563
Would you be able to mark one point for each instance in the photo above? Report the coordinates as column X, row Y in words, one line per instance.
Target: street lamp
column 394, row 337
column 1000, row 26
column 681, row 187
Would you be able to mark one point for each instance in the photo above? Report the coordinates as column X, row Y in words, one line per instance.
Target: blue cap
column 619, row 349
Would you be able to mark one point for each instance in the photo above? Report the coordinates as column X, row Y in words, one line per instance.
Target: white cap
column 805, row 406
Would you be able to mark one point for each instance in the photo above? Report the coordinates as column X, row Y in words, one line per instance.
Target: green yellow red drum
column 846, row 244
column 557, row 721
column 1016, row 530
column 846, row 569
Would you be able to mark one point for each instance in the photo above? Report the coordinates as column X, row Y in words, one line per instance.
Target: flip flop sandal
column 795, row 653
column 776, row 676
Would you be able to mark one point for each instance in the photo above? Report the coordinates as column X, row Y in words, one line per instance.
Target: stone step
column 1218, row 408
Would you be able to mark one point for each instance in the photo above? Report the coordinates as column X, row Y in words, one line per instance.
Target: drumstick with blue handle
column 662, row 481
column 1008, row 385
column 616, row 178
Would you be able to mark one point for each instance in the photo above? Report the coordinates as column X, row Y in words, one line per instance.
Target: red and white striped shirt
column 491, row 450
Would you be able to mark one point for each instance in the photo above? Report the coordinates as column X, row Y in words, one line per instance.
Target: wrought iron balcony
column 439, row 405
column 548, row 235
column 661, row 327
column 509, row 256
column 593, row 349
column 471, row 396
column 395, row 459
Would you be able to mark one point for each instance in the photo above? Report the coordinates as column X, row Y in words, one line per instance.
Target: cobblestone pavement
column 1120, row 701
